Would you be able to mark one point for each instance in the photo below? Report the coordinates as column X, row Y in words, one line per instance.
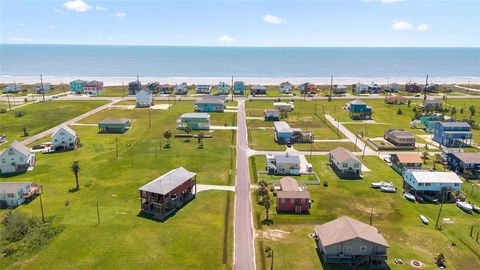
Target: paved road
column 244, row 258
column 73, row 120
column 467, row 88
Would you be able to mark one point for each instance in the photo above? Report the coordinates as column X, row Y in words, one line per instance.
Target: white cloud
column 401, row 25
column 390, row 1
column 21, row 39
column 120, row 14
column 100, row 8
column 21, row 24
column 273, row 19
column 77, row 6
column 423, row 27
column 226, row 39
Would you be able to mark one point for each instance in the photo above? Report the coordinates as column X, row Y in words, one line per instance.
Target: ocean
column 175, row 64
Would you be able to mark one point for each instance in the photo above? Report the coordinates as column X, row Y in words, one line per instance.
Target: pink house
column 93, row 88
column 291, row 197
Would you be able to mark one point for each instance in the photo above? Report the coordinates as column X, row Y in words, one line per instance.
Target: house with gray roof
column 16, row 158
column 344, row 163
column 64, row 138
column 167, row 193
column 114, row 125
column 346, row 240
column 283, row 164
column 13, row 194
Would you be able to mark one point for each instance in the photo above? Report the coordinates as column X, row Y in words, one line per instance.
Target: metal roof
column 169, row 181
column 12, row 187
column 281, row 126
column 195, row 115
column 436, row 177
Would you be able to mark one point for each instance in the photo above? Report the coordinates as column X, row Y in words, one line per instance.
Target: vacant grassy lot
column 394, row 216
column 41, row 116
column 193, row 238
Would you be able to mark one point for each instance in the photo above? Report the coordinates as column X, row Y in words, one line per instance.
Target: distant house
column 432, row 105
column 223, row 88
column 430, row 88
column 284, row 134
column 210, row 104
column 432, row 184
column 144, row 99
column 272, row 115
column 154, row 87
column 196, row 121
column 93, row 88
column 429, row 122
column 339, row 89
column 400, row 138
column 404, row 161
column 12, row 88
column 453, row 134
column 360, row 88
column 308, row 88
column 203, row 89
column 181, row 89
column 392, row 87
column 284, row 106
column 291, row 197
column 282, row 164
column 113, row 125
column 64, row 138
column 413, row 88
column 134, row 87
column 285, row 88
column 76, row 87
column 16, row 158
column 13, row 194
column 239, row 88
column 359, row 110
column 169, row 192
column 467, row 164
column 258, row 90
column 44, row 88
column 346, row 240
column 374, row 88
column 397, row 100
column 344, row 163
column 166, row 89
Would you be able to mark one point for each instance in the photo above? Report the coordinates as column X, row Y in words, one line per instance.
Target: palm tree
column 201, row 135
column 75, row 169
column 167, row 134
column 425, row 156
column 188, row 129
column 266, row 203
column 262, row 189
column 472, row 111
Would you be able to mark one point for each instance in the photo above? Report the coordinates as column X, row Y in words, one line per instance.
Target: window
column 337, row 248
column 292, row 200
column 363, row 248
column 428, row 184
column 282, row 201
column 347, row 248
column 10, row 195
column 420, row 184
column 456, row 184
column 356, row 165
column 344, row 165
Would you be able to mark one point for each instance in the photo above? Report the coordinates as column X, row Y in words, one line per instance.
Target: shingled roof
column 16, row 145
column 341, row 154
column 169, row 181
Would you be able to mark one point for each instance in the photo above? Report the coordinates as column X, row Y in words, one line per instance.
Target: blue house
column 466, row 164
column 359, row 110
column 283, row 132
column 433, row 184
column 429, row 121
column 452, row 134
column 210, row 104
column 239, row 88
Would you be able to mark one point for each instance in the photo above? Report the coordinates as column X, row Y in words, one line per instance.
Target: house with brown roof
column 291, row 197
column 401, row 139
column 344, row 163
column 405, row 161
column 346, row 240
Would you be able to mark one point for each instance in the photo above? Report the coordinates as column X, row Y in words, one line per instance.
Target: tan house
column 406, row 161
column 346, row 240
column 344, row 163
column 400, row 138
column 395, row 100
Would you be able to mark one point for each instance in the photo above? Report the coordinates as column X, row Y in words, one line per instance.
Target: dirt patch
column 416, row 264
column 272, row 234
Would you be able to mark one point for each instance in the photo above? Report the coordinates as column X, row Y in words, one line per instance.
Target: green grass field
column 394, row 216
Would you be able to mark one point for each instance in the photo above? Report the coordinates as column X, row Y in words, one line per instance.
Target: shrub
column 325, row 184
column 19, row 114
column 2, row 110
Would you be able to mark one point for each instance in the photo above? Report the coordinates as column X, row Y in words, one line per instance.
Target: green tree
column 472, row 111
column 76, row 169
column 453, row 112
column 424, row 156
column 188, row 130
column 262, row 189
column 267, row 201
column 408, row 103
column 201, row 135
column 167, row 134
column 25, row 131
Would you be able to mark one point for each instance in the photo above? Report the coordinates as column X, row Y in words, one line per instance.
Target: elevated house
column 284, row 134
column 396, row 100
column 359, row 110
column 466, row 164
column 432, row 184
column 431, row 88
column 239, row 88
column 284, row 106
column 272, row 115
column 93, row 88
column 282, row 164
column 196, row 121
column 344, row 163
column 144, row 98
column 76, row 86
column 346, row 240
column 114, row 125
column 258, row 90
column 12, row 88
column 166, row 89
column 413, row 88
column 167, row 193
column 429, row 122
column 181, row 89
column 154, row 87
column 44, row 88
column 291, row 197
column 223, row 88
column 453, row 134
column 339, row 89
column 406, row 161
column 134, row 87
column 210, row 104
column 285, row 88
column 432, row 105
column 360, row 88
column 64, row 138
column 203, row 89
column 16, row 158
column 401, row 139
column 374, row 88
column 391, row 87
column 308, row 88
column 13, row 194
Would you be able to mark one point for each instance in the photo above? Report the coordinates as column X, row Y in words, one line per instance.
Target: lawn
column 41, row 116
column 394, row 216
column 192, row 238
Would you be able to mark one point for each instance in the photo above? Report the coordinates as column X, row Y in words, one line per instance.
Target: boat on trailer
column 424, row 219
column 409, row 196
column 466, row 207
column 476, row 208
column 381, row 184
column 387, row 189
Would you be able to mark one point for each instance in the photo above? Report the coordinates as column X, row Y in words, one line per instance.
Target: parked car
column 3, row 138
column 55, row 96
column 38, row 146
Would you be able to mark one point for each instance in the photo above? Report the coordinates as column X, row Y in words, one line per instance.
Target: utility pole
column 149, row 119
column 425, row 89
column 123, row 87
column 331, row 89
column 232, row 89
column 364, row 147
column 63, row 88
column 41, row 208
column 8, row 100
column 98, row 214
column 371, row 216
column 355, row 146
column 271, row 266
column 41, row 85
column 116, row 146
column 440, row 211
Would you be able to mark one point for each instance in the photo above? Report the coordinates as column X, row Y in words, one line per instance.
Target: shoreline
column 115, row 81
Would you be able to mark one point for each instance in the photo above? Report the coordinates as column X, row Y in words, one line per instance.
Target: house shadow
column 166, row 217
column 289, row 213
column 9, row 175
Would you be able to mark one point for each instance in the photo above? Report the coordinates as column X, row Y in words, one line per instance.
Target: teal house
column 210, row 104
column 76, row 87
column 239, row 88
column 110, row 125
column 429, row 121
column 196, row 121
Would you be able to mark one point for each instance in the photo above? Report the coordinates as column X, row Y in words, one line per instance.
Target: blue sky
column 371, row 23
